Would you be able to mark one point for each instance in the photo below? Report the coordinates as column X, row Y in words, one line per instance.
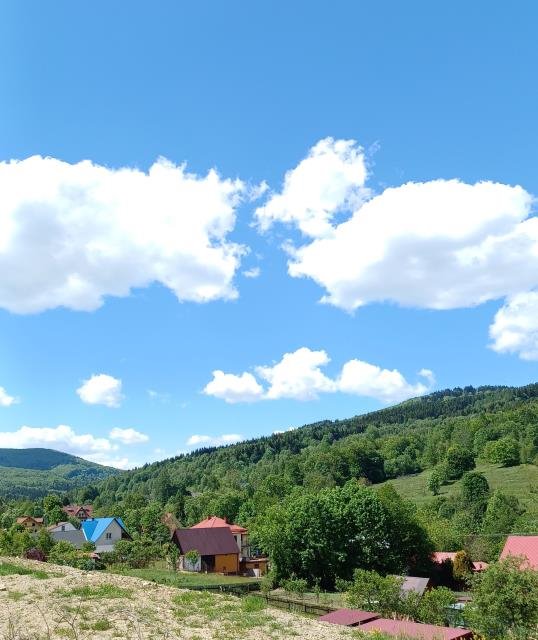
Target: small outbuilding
column 349, row 617
column 216, row 548
column 415, row 630
column 418, row 585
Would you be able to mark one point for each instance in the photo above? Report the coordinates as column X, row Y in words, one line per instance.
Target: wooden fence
column 294, row 604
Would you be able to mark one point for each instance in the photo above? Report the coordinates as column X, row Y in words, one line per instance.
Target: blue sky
column 111, row 321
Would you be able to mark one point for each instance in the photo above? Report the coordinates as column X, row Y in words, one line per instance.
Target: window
column 109, row 536
column 63, row 527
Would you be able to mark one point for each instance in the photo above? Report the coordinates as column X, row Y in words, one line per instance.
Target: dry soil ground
column 69, row 603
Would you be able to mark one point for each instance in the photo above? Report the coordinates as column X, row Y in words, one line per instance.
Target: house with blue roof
column 105, row 532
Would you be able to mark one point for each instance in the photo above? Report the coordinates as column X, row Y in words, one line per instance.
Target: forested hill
column 407, row 438
column 33, row 473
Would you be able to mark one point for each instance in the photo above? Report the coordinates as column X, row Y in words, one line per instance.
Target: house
column 30, row 523
column 523, row 546
column 81, row 512
column 439, row 557
column 349, row 617
column 68, row 532
column 240, row 534
column 104, row 533
column 415, row 630
column 419, row 585
column 216, row 548
column 248, row 564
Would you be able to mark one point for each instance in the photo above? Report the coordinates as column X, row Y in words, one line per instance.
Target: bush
column 295, row 585
column 505, row 601
column 504, row 452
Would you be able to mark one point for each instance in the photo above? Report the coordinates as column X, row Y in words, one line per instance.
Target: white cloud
column 329, row 180
column 5, row 399
column 101, row 389
column 214, row 441
column 252, row 273
column 437, row 245
column 62, row 437
column 515, row 326
column 298, row 376
column 364, row 379
column 71, row 234
column 232, row 388
column 442, row 244
column 128, row 436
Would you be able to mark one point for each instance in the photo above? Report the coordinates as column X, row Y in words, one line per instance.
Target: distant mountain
column 32, row 473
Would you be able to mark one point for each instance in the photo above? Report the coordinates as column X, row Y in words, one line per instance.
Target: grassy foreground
column 186, row 580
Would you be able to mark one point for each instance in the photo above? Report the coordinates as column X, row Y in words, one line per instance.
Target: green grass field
column 521, row 481
column 186, row 580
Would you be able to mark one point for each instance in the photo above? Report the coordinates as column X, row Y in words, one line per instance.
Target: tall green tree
column 505, row 601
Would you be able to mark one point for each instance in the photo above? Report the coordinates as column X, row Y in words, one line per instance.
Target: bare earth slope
column 64, row 602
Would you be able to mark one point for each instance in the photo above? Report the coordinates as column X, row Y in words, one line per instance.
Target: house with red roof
column 249, row 565
column 439, row 557
column 240, row 534
column 522, row 546
column 80, row 511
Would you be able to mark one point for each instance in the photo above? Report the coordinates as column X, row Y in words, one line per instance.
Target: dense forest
column 448, row 435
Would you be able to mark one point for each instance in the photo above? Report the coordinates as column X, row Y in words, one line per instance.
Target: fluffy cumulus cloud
column 515, row 326
column 128, row 436
column 234, row 388
column 298, row 376
column 442, row 244
column 71, row 234
column 101, row 389
column 213, row 441
column 62, row 437
column 438, row 245
column 7, row 400
column 329, row 180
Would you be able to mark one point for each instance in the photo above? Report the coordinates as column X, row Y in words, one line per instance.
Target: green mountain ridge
column 240, row 480
column 35, row 472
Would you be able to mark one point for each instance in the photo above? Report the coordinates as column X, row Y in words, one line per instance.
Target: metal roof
column 208, row 542
column 412, row 583
column 416, row 630
column 349, row 617
column 74, row 536
column 94, row 529
column 526, row 546
column 214, row 521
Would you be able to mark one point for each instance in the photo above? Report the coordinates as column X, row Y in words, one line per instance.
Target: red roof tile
column 349, row 617
column 443, row 556
column 526, row 546
column 415, row 630
column 214, row 521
